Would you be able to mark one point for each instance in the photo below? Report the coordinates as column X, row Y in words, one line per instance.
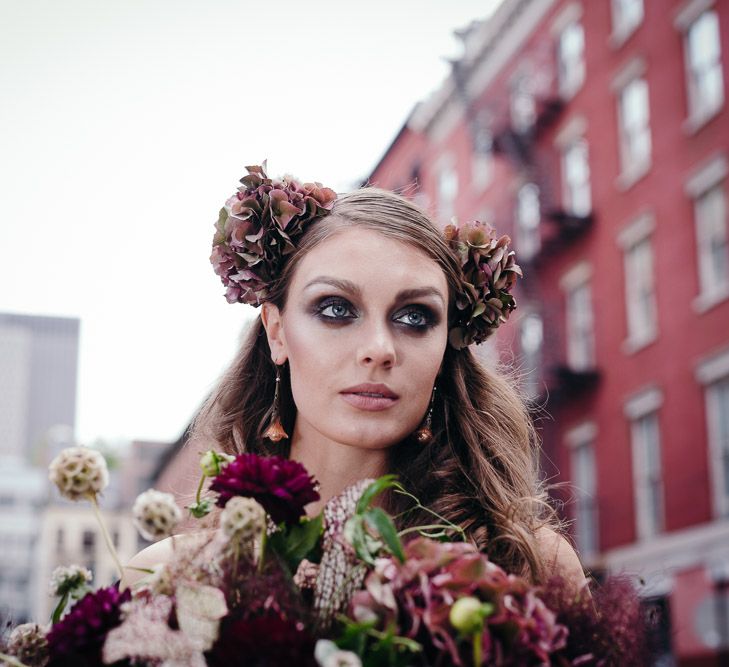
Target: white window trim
column 580, row 434
column 576, row 277
column 585, row 434
column 683, row 19
column 580, row 273
column 636, row 231
column 573, row 129
column 643, row 402
column 635, row 68
column 568, row 14
column 708, row 371
column 618, row 37
column 703, row 178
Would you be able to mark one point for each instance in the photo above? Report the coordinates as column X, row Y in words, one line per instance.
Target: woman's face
column 364, row 331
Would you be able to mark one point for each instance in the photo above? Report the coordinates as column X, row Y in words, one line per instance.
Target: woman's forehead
column 369, row 260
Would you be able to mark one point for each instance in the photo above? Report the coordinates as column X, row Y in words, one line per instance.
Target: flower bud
column 69, row 580
column 155, row 514
column 29, row 645
column 79, row 472
column 243, row 519
column 467, row 614
column 211, row 462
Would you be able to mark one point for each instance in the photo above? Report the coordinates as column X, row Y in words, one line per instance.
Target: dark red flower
column 270, row 641
column 77, row 639
column 281, row 486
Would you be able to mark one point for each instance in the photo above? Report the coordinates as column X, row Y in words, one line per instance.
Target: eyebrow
column 350, row 287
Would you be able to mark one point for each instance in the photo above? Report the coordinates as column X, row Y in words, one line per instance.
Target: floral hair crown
column 262, row 222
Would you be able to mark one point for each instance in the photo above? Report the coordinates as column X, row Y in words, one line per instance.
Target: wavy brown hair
column 479, row 471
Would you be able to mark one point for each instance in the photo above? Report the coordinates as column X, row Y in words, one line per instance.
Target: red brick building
column 596, row 134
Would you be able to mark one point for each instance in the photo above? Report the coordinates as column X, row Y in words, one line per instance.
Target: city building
column 38, row 369
column 596, row 134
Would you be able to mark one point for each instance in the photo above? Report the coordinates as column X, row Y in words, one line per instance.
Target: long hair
column 479, row 471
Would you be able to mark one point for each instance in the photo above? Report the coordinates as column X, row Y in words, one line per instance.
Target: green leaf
column 374, row 490
column 200, row 509
column 380, row 521
column 298, row 541
column 359, row 540
column 58, row 611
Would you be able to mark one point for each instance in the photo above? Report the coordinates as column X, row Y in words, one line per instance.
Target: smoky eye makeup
column 333, row 309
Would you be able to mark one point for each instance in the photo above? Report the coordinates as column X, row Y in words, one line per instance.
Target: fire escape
column 535, row 160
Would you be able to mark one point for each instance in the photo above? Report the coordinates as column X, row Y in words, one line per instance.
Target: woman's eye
column 335, row 310
column 414, row 318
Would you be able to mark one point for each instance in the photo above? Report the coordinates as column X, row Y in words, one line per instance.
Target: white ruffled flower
column 243, row 519
column 67, row 579
column 328, row 654
column 29, row 645
column 155, row 514
column 79, row 472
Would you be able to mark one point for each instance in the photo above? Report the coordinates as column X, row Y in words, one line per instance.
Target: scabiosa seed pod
column 212, row 462
column 155, row 514
column 29, row 645
column 242, row 520
column 79, row 473
column 69, row 579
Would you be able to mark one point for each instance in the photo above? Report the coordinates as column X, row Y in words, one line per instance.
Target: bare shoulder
column 560, row 558
column 159, row 554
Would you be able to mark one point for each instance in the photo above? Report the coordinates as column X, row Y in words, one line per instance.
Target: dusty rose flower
column 258, row 228
column 281, row 486
column 79, row 472
column 155, row 514
column 29, row 645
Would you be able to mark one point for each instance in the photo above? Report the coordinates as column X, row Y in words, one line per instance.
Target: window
column 527, row 221
column 703, row 67
column 576, row 178
column 634, row 129
column 571, row 59
column 640, row 298
column 647, row 474
column 717, row 413
column 627, row 16
column 710, row 210
column 447, row 191
column 531, row 336
column 585, row 486
column 522, row 105
column 580, row 329
column 482, row 162
column 88, row 542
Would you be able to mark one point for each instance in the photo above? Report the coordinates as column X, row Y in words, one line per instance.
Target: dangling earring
column 275, row 430
column 424, row 435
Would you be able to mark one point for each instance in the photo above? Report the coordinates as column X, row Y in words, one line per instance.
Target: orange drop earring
column 275, row 430
column 424, row 435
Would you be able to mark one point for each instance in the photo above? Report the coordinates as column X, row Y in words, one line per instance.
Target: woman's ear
column 273, row 324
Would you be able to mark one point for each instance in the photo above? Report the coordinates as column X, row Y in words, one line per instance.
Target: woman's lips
column 370, row 396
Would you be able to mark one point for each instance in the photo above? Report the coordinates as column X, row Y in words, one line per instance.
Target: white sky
column 125, row 124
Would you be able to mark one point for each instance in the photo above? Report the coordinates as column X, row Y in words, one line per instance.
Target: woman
column 360, row 354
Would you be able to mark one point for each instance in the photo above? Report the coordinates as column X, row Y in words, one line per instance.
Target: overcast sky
column 125, row 124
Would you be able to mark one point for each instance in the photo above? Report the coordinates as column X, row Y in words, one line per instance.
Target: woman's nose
column 377, row 347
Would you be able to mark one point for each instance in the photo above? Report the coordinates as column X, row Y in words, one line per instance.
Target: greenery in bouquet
column 271, row 586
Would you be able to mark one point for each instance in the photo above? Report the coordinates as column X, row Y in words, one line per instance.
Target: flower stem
column 199, row 488
column 477, row 643
column 105, row 533
column 10, row 660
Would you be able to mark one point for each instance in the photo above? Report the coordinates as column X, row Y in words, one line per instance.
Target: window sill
column 621, row 35
column 632, row 174
column 698, row 119
column 632, row 345
column 706, row 301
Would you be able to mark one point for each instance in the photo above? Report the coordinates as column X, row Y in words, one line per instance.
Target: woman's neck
column 334, row 465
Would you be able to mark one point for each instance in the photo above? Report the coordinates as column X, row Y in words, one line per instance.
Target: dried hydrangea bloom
column 489, row 273
column 242, row 520
column 341, row 572
column 79, row 473
column 155, row 514
column 258, row 228
column 29, row 645
column 68, row 579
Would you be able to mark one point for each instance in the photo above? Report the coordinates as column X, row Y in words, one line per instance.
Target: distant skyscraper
column 38, row 369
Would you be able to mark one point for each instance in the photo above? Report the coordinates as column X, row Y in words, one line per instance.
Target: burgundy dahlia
column 77, row 639
column 281, row 486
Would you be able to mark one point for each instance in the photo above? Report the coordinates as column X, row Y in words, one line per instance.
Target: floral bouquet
column 273, row 587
